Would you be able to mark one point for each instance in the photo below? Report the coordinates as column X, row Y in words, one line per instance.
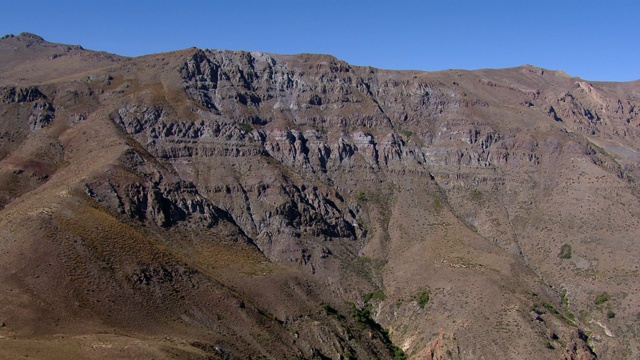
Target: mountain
column 220, row 204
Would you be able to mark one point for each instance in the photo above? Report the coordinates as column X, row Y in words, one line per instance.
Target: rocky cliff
column 237, row 204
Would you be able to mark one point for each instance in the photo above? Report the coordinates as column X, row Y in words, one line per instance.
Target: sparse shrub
column 328, row 309
column 565, row 306
column 362, row 197
column 398, row 354
column 246, row 127
column 361, row 316
column 550, row 308
column 602, row 298
column 437, row 205
column 476, row 195
column 565, row 252
column 611, row 314
column 422, row 299
column 377, row 295
column 549, row 345
column 569, row 315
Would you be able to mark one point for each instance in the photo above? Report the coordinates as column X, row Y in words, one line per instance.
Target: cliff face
column 242, row 204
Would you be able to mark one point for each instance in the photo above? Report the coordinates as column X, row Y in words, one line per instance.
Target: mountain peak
column 24, row 36
column 29, row 36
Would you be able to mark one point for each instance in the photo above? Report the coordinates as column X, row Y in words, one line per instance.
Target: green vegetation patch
column 602, row 298
column 329, row 309
column 422, row 298
column 246, row 127
column 377, row 295
column 362, row 316
column 565, row 306
column 399, row 354
column 565, row 252
column 476, row 195
column 437, row 205
column 566, row 316
column 550, row 308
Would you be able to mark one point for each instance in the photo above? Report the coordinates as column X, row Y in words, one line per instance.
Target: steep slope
column 216, row 203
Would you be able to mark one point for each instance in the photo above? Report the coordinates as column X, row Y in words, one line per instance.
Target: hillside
column 218, row 204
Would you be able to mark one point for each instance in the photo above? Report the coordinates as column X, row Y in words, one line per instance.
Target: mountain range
column 210, row 204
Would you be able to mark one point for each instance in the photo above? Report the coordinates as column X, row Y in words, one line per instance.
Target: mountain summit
column 228, row 204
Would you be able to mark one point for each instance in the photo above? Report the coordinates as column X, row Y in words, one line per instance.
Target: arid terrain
column 204, row 204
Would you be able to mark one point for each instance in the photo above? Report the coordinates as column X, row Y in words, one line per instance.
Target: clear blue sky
column 593, row 39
